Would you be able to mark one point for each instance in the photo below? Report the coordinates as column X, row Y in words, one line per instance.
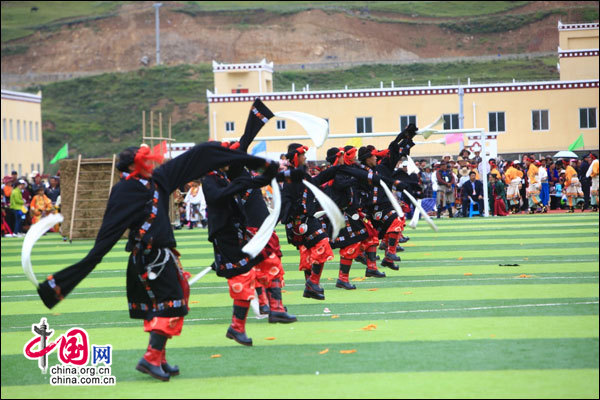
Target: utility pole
column 157, row 19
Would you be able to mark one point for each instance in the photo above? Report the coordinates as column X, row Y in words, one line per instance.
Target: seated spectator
column 472, row 191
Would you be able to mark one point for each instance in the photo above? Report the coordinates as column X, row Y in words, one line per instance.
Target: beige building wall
column 563, row 101
column 246, row 78
column 578, row 51
column 22, row 139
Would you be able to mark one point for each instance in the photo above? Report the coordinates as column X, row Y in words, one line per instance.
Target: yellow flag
column 356, row 142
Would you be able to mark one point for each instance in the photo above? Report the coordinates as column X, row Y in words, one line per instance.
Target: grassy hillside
column 100, row 115
column 22, row 18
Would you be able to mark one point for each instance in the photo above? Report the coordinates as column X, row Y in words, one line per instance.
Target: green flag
column 62, row 153
column 577, row 144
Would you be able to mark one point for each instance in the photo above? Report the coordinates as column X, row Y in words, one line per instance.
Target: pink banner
column 454, row 138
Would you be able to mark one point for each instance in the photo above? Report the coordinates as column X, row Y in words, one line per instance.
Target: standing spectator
column 585, row 181
column 592, row 174
column 545, row 187
column 513, row 178
column 53, row 191
column 37, row 183
column 434, row 182
column 465, row 154
column 497, row 193
column 447, row 184
column 17, row 205
column 426, row 181
column 195, row 205
column 573, row 187
column 472, row 191
column 534, row 186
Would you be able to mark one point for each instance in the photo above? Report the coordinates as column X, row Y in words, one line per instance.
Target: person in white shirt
column 195, row 208
column 543, row 179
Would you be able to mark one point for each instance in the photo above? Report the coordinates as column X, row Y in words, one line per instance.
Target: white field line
column 462, row 263
column 369, row 282
column 432, row 310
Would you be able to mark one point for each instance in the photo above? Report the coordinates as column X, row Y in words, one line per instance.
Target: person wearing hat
column 573, row 187
column 513, row 179
column 381, row 213
column 303, row 230
column 359, row 236
column 592, row 174
column 269, row 272
column 18, row 207
column 157, row 288
column 446, row 185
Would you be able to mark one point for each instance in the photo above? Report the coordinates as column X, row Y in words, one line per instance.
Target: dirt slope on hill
column 118, row 43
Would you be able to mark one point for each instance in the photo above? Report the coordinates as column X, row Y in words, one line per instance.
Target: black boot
column 311, row 291
column 172, row 370
column 154, row 371
column 390, row 264
column 399, row 248
column 344, row 285
column 375, row 273
column 239, row 337
column 278, row 311
column 361, row 259
column 390, row 256
column 403, row 239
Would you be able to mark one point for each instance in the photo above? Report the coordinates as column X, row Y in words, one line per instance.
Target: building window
column 450, row 121
column 31, row 130
column 19, row 132
column 540, row 120
column 24, row 131
column 496, row 121
column 281, row 125
column 37, row 133
column 6, row 170
column 364, row 125
column 10, row 128
column 587, row 118
column 4, row 133
column 20, row 170
column 32, row 169
column 229, row 126
column 407, row 119
column 38, row 168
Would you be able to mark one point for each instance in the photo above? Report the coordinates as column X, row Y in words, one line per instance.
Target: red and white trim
column 398, row 92
column 20, row 96
column 576, row 27
column 577, row 53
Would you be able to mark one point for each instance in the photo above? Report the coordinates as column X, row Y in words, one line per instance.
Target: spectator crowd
column 26, row 200
column 454, row 187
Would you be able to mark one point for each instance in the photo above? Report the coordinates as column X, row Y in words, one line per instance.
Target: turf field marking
column 432, row 310
column 368, row 282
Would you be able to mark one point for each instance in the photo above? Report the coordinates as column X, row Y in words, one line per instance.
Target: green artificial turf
column 451, row 323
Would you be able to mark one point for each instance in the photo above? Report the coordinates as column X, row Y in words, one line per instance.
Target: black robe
column 129, row 206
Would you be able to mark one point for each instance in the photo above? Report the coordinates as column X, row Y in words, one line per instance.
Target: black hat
column 126, row 158
column 365, row 152
column 332, row 155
